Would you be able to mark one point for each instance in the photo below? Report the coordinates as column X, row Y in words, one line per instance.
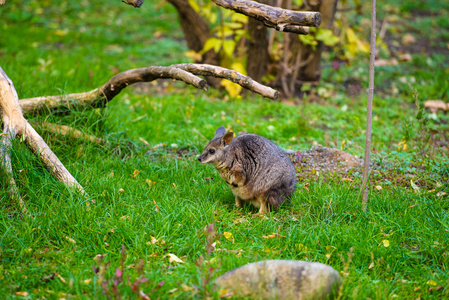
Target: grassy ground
column 399, row 248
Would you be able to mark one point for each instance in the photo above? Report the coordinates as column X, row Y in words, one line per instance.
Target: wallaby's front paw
column 238, row 202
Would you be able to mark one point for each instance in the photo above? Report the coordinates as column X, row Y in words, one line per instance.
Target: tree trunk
column 196, row 32
column 312, row 70
column 257, row 59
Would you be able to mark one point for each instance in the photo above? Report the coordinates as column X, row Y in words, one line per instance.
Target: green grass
column 63, row 234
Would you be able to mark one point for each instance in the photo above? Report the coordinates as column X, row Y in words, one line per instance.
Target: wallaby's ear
column 220, row 131
column 227, row 138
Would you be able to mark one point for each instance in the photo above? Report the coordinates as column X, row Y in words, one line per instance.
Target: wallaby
column 256, row 169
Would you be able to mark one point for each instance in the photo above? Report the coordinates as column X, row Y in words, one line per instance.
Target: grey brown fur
column 255, row 169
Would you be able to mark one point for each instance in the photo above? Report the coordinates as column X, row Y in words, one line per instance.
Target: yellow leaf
column 174, row 258
column 150, row 182
column 432, row 282
column 228, row 47
column 301, row 247
column 212, row 43
column 328, row 255
column 227, row 235
column 87, row 281
column 23, row 294
column 386, row 243
column 233, row 89
column 195, row 56
column 194, row 5
column 61, row 32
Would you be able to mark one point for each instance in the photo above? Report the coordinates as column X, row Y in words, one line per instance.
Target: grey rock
column 282, row 279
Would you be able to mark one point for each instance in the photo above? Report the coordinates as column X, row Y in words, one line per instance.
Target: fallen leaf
column 174, row 258
column 328, row 255
column 405, row 57
column 385, row 62
column 156, row 206
column 371, row 265
column 121, row 191
column 155, row 241
column 144, row 141
column 416, row 288
column 441, row 194
column 431, row 282
column 150, row 182
column 386, row 243
column 60, row 278
column 48, row 277
column 435, row 105
column 143, row 295
column 224, row 293
column 347, row 179
column 227, row 235
column 411, row 206
column 23, row 294
column 414, row 186
column 124, row 217
column 135, row 173
column 272, row 236
column 378, row 187
column 408, row 39
column 187, row 288
column 88, row 281
column 172, row 290
column 70, row 240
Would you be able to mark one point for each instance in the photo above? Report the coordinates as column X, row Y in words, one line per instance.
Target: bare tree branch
column 184, row 72
column 135, row 3
column 369, row 107
column 236, row 77
column 275, row 17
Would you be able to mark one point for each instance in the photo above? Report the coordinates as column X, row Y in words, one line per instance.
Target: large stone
column 282, row 279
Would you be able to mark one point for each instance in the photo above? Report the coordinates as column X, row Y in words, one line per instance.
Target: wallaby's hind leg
column 238, row 202
column 263, row 205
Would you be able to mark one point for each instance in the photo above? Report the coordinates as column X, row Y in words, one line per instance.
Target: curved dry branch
column 236, row 77
column 275, row 17
column 100, row 96
column 185, row 72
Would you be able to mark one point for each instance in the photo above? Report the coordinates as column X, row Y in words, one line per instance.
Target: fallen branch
column 236, row 77
column 5, row 164
column 101, row 96
column 15, row 124
column 275, row 17
column 69, row 131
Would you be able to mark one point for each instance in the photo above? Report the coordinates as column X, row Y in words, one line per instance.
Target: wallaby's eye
column 211, row 151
